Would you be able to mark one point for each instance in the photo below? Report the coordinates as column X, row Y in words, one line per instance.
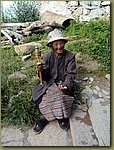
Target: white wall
column 85, row 10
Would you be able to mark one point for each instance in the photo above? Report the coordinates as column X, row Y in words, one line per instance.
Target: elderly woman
column 54, row 97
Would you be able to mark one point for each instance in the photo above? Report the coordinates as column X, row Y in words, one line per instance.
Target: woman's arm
column 70, row 74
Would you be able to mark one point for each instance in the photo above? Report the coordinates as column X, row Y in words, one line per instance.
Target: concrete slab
column 81, row 129
column 52, row 135
column 11, row 137
column 100, row 117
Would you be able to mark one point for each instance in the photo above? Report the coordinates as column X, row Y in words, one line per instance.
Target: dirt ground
column 85, row 67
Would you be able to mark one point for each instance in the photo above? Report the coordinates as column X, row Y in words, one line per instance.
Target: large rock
column 11, row 137
column 81, row 130
column 87, row 91
column 27, row 48
column 52, row 135
column 99, row 112
column 55, row 20
column 17, row 76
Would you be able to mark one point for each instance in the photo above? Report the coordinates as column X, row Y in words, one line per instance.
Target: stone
column 87, row 91
column 11, row 136
column 84, row 107
column 97, row 12
column 107, row 76
column 85, row 18
column 25, row 49
column 85, row 79
column 17, row 76
column 106, row 93
column 81, row 130
column 78, row 12
column 95, row 92
column 52, row 135
column 100, row 118
column 90, row 85
column 84, row 3
column 97, row 88
column 59, row 7
column 105, row 3
column 26, row 57
column 91, row 79
column 107, row 9
column 95, row 3
column 86, row 11
column 100, row 94
column 74, row 3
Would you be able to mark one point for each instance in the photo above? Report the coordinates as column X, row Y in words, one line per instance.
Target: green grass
column 93, row 38
column 17, row 110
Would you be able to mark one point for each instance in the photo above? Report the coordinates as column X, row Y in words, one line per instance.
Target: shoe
column 64, row 123
column 40, row 124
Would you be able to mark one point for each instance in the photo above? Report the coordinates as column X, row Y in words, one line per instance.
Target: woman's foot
column 64, row 123
column 40, row 124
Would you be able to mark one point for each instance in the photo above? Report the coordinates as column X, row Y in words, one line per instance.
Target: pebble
column 107, row 76
column 26, row 57
column 95, row 92
column 105, row 92
column 97, row 88
column 85, row 79
column 101, row 95
column 91, row 79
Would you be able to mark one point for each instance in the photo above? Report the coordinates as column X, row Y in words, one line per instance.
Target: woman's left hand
column 61, row 87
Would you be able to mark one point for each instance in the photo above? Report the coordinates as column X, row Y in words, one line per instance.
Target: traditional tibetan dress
column 53, row 102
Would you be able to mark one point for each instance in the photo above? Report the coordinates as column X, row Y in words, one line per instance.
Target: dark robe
column 54, row 70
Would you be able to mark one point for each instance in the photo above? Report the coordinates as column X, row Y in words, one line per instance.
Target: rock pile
column 83, row 10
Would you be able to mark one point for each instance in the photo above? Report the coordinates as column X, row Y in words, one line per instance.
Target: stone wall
column 84, row 10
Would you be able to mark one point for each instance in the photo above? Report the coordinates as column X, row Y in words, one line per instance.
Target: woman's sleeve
column 70, row 74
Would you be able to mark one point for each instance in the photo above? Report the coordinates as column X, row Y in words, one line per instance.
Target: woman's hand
column 39, row 67
column 61, row 87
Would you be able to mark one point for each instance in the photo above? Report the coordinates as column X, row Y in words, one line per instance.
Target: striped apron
column 55, row 104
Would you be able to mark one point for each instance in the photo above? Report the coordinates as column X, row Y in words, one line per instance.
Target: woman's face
column 58, row 46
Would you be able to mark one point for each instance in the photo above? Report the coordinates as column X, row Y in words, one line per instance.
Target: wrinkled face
column 58, row 46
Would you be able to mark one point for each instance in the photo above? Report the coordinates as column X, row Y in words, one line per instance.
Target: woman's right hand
column 39, row 67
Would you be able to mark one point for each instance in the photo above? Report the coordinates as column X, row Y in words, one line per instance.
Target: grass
column 92, row 38
column 17, row 107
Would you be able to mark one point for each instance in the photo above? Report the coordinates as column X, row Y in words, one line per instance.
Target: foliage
column 93, row 38
column 35, row 37
column 21, row 11
column 17, row 106
column 31, row 38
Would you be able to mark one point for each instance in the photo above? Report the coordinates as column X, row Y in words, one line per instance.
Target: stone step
column 99, row 112
column 52, row 135
column 87, row 128
column 81, row 129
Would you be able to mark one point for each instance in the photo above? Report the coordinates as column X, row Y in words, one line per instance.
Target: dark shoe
column 64, row 123
column 40, row 124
